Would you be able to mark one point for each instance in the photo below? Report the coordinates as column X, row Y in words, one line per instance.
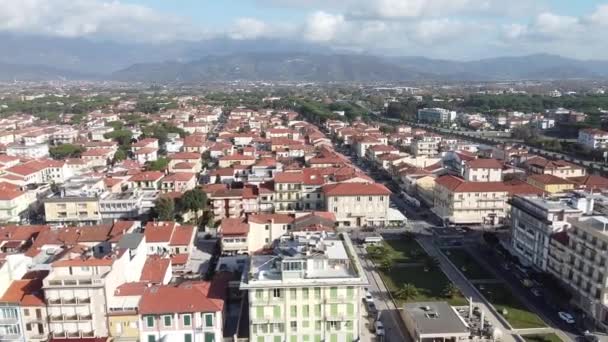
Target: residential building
column 24, row 302
column 309, row 289
column 583, row 267
column 358, row 204
column 483, row 170
column 558, row 168
column 534, row 222
column 72, row 210
column 33, row 151
column 550, row 183
column 190, row 311
column 169, row 238
column 593, row 138
column 435, row 115
column 425, row 146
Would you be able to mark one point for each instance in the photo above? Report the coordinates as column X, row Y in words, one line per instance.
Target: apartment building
column 593, row 138
column 147, row 180
column 310, row 289
column 483, row 170
column 534, row 222
column 358, row 204
column 193, row 158
column 191, row 311
column 72, row 210
column 558, row 168
column 425, row 146
column 78, row 285
column 581, row 266
column 164, row 237
column 459, row 201
column 288, row 187
column 180, row 182
column 23, row 311
column 550, row 183
column 435, row 115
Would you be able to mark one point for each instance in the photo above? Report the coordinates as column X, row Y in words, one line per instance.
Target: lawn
column 430, row 284
column 467, row 264
column 517, row 314
column 405, row 251
column 542, row 338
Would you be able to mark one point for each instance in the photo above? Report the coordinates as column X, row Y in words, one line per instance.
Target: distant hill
column 12, row 72
column 273, row 67
column 33, row 57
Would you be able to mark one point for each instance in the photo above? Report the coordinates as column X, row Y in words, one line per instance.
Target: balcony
column 86, row 317
column 96, row 281
column 69, row 301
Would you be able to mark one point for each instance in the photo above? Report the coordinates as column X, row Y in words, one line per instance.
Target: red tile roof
column 147, row 176
column 179, row 177
column 26, row 292
column 182, row 236
column 289, row 177
column 355, row 189
column 155, row 269
column 548, row 179
column 456, row 184
column 591, row 182
column 484, row 164
column 267, row 218
column 187, row 297
column 233, row 226
column 161, row 231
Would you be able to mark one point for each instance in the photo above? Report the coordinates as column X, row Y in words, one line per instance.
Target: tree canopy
column 64, row 151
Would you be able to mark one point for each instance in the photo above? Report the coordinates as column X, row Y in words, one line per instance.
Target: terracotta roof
column 26, row 292
column 234, row 226
column 184, row 155
column 155, row 269
column 161, row 231
column 147, row 176
column 355, row 189
column 484, row 164
column 182, row 236
column 591, row 182
column 289, row 177
column 456, row 184
column 131, row 289
column 549, row 179
column 266, row 218
column 180, row 259
column 7, row 194
column 183, row 165
column 146, row 150
column 237, row 157
column 185, row 298
column 179, row 177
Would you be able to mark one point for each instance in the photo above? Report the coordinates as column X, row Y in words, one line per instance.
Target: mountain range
column 28, row 57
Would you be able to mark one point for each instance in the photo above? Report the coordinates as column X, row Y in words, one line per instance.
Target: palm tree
column 386, row 264
column 431, row 264
column 450, row 291
column 407, row 291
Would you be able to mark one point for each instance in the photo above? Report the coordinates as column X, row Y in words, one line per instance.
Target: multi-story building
column 72, row 210
column 33, row 151
column 534, row 222
column 310, row 289
column 483, row 170
column 435, row 115
column 191, row 311
column 550, row 183
column 459, row 201
column 425, row 146
column 581, row 266
column 288, row 187
column 357, row 204
column 23, row 312
column 78, row 285
column 558, row 168
column 593, row 138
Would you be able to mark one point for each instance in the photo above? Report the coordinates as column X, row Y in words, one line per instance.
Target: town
column 306, row 213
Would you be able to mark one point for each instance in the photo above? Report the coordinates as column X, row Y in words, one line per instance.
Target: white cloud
column 323, row 27
column 248, row 28
column 94, row 18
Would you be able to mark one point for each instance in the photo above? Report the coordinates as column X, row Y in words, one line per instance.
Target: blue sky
column 454, row 29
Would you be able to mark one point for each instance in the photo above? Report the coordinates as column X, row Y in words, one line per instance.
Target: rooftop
column 436, row 318
column 307, row 257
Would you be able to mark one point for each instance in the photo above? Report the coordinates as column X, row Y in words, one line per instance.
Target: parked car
column 368, row 297
column 566, row 317
column 371, row 309
column 379, row 328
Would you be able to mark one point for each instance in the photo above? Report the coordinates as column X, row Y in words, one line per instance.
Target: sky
column 450, row 29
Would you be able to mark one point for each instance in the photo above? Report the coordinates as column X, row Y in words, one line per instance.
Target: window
column 209, row 337
column 293, row 325
column 317, row 310
column 358, row 198
column 167, row 320
column 208, row 320
column 370, row 198
column 267, row 227
column 276, row 293
column 305, row 293
column 293, row 293
column 26, row 312
column 333, row 292
column 317, row 293
column 334, row 309
column 259, row 294
column 294, row 311
column 276, row 310
column 259, row 312
column 187, row 320
column 305, row 310
column 278, row 339
column 381, row 198
column 187, row 337
column 151, row 338
column 150, row 322
column 350, row 291
column 293, row 338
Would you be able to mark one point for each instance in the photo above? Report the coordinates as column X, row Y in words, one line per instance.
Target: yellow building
column 550, row 183
column 72, row 210
column 124, row 326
